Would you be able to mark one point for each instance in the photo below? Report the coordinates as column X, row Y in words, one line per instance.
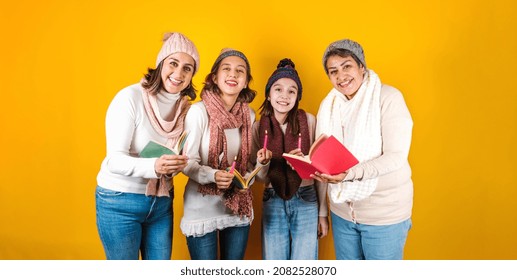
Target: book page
column 241, row 182
column 297, row 157
column 180, row 143
column 317, row 143
column 302, row 165
column 252, row 175
column 238, row 179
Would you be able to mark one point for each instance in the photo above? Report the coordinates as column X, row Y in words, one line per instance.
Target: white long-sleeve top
column 128, row 130
column 203, row 214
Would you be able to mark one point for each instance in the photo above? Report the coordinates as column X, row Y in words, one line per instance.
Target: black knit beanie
column 285, row 69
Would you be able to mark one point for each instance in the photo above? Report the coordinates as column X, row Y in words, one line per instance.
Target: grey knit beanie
column 226, row 52
column 346, row 44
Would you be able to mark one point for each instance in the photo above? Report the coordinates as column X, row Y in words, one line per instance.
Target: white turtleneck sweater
column 128, row 130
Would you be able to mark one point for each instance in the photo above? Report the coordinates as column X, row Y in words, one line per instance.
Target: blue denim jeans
column 232, row 243
column 368, row 242
column 290, row 227
column 130, row 223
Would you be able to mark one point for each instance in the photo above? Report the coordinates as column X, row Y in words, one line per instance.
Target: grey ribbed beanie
column 346, row 44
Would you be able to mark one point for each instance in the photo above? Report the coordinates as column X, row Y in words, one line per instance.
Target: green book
column 155, row 150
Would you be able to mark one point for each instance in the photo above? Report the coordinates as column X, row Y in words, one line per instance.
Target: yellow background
column 63, row 61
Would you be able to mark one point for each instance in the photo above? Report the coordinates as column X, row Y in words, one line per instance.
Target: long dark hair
column 266, row 109
column 153, row 83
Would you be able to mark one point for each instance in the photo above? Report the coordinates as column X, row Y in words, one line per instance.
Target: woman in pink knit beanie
column 134, row 192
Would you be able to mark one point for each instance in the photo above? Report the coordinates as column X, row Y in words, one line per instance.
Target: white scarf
column 357, row 124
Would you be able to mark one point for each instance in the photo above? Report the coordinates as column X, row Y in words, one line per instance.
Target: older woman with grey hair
column 370, row 203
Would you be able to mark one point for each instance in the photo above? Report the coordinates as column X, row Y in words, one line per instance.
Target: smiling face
column 231, row 77
column 345, row 74
column 282, row 96
column 177, row 72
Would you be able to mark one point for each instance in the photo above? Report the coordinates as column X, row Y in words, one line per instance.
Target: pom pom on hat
column 177, row 42
column 285, row 69
column 286, row 62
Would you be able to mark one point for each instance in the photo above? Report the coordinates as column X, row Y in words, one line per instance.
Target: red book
column 327, row 156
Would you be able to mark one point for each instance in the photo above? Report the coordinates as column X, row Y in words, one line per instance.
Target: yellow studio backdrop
column 63, row 61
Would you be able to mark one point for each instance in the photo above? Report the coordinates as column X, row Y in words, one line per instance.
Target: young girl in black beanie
column 294, row 212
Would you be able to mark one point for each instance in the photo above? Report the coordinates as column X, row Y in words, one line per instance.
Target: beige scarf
column 357, row 124
column 170, row 129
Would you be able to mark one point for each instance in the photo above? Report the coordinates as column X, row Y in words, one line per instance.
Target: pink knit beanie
column 177, row 42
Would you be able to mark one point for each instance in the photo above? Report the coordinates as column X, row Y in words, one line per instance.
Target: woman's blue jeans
column 290, row 227
column 359, row 241
column 130, row 223
column 232, row 243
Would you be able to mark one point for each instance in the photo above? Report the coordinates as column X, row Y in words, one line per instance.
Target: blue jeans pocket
column 308, row 194
column 102, row 192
